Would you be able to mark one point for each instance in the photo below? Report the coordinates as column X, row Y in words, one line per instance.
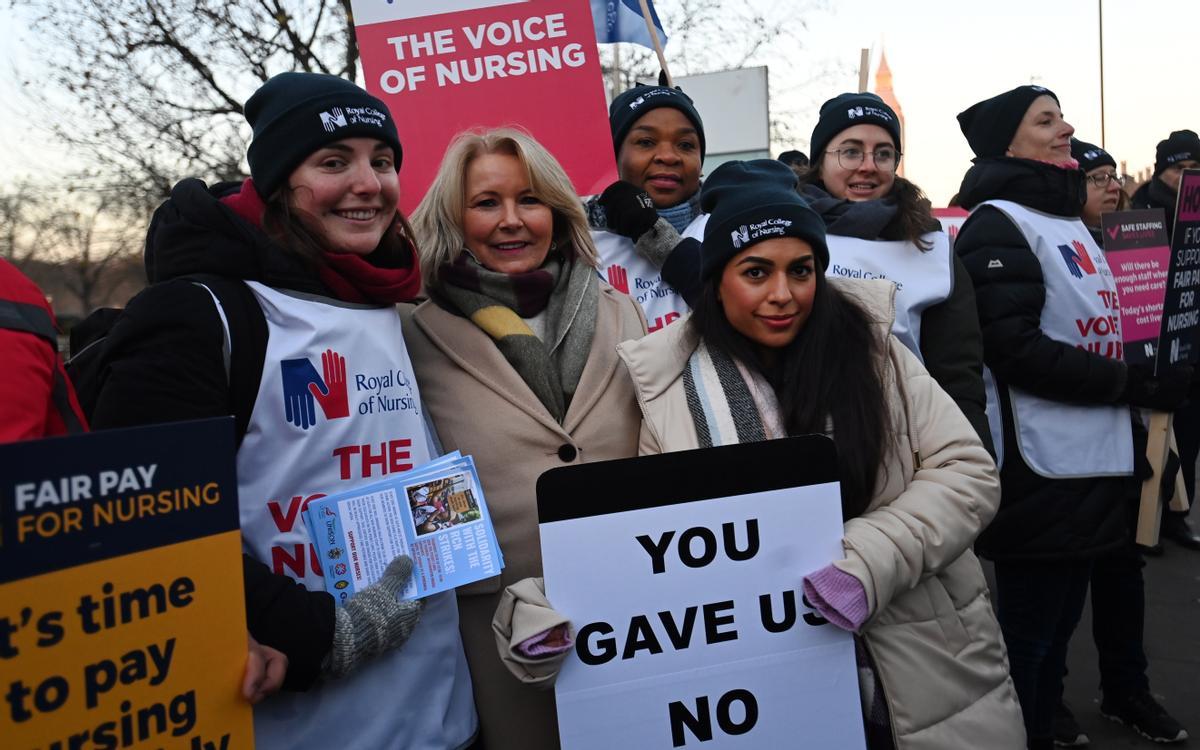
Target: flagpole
column 662, row 59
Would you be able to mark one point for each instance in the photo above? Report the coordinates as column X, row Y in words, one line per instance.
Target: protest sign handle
column 864, row 66
column 1149, row 514
column 662, row 59
column 1179, row 498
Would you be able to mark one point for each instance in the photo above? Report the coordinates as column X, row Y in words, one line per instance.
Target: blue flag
column 622, row 21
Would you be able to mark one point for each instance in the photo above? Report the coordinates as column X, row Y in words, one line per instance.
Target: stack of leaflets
column 434, row 513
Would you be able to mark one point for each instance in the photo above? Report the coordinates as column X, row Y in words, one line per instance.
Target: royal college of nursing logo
column 1077, row 259
column 304, row 389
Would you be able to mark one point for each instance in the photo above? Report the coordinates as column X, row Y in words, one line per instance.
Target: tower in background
column 883, row 87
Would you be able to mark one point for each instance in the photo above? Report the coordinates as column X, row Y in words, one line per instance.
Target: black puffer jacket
column 1039, row 518
column 951, row 343
column 164, row 362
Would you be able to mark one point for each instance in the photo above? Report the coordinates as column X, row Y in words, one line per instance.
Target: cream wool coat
column 930, row 630
column 480, row 406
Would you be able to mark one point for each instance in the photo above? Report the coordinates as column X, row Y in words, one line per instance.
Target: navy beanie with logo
column 1090, row 156
column 751, row 201
column 629, row 106
column 850, row 109
column 294, row 114
column 1181, row 145
column 990, row 125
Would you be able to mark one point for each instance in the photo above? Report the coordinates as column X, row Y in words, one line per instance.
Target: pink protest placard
column 444, row 66
column 1135, row 246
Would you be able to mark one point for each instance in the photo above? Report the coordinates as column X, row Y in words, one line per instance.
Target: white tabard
column 338, row 407
column 923, row 278
column 1057, row 439
column 629, row 272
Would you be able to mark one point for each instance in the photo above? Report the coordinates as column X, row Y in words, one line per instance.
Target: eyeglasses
column 1101, row 180
column 885, row 159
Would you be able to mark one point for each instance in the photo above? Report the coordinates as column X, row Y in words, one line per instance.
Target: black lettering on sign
column 699, row 722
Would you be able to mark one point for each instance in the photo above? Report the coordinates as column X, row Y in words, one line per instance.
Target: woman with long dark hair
column 271, row 298
column 879, row 225
column 815, row 355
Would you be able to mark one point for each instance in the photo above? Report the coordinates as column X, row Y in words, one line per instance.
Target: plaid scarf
column 497, row 302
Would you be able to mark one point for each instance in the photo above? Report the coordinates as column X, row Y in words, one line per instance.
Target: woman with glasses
column 1103, row 185
column 1059, row 392
column 880, row 227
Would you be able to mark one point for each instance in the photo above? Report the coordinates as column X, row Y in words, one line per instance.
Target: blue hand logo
column 298, row 403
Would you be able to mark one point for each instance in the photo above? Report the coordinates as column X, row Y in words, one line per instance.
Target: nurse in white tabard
column 880, row 227
column 316, row 251
column 638, row 222
column 1059, row 391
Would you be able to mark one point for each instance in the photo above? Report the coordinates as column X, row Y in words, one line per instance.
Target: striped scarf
column 498, row 303
column 729, row 403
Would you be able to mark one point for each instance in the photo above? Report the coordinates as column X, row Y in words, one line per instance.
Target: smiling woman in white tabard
column 274, row 296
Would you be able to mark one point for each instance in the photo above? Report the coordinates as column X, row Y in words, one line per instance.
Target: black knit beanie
column 1182, row 145
column 751, row 201
column 629, row 106
column 294, row 114
column 990, row 125
column 846, row 110
column 1090, row 156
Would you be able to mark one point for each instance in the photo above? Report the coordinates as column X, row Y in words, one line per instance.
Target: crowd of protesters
column 544, row 330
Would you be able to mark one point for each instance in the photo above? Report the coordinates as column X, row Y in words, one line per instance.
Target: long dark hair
column 830, row 373
column 914, row 218
column 297, row 232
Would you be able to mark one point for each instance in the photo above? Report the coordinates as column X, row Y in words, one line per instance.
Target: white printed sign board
column 685, row 594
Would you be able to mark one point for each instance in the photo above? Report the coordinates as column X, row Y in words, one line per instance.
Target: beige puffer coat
column 930, row 630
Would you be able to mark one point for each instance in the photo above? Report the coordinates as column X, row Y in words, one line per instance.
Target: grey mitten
column 373, row 622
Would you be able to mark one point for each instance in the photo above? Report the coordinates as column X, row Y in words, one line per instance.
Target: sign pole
column 864, row 64
column 1149, row 516
column 1179, row 498
column 662, row 59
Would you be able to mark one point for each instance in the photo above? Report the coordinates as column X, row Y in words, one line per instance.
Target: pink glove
column 838, row 596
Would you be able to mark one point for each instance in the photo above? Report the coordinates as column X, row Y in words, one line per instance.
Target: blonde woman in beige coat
column 809, row 354
column 515, row 355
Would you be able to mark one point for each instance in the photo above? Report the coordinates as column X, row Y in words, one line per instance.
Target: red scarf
column 350, row 277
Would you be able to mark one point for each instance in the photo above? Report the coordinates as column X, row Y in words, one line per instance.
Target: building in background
column 883, row 87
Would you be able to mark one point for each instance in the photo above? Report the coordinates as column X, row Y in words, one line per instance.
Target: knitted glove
column 838, row 596
column 373, row 622
column 630, row 211
column 1164, row 392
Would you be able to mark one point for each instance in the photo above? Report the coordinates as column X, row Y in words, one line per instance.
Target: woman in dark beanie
column 879, row 226
column 516, row 357
column 1179, row 151
column 269, row 298
column 815, row 355
column 1059, row 393
column 638, row 221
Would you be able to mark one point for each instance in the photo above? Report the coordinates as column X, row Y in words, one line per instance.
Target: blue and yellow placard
column 122, row 618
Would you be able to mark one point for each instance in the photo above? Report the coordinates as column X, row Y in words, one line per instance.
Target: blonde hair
column 438, row 219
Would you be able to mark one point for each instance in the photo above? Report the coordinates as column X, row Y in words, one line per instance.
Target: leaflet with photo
column 435, row 513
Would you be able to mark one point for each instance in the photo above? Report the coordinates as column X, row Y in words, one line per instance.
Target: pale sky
column 944, row 56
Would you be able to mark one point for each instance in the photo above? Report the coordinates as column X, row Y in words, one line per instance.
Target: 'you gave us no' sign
column 681, row 574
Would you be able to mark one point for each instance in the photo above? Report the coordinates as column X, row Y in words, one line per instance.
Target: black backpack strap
column 246, row 327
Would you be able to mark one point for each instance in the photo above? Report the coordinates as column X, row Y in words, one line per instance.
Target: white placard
column 686, row 656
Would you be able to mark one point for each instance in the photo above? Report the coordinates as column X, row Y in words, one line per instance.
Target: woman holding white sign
column 802, row 354
column 879, row 226
column 515, row 353
column 274, row 298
